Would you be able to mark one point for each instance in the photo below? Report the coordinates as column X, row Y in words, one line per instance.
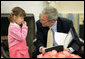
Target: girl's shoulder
column 14, row 26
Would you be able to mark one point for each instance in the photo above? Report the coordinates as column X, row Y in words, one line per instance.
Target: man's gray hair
column 51, row 13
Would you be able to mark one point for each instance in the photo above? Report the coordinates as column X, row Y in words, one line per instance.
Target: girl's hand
column 24, row 23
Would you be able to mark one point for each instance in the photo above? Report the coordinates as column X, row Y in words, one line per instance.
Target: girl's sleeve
column 19, row 34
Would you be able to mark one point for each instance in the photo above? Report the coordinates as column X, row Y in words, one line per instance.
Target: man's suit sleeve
column 75, row 44
column 39, row 35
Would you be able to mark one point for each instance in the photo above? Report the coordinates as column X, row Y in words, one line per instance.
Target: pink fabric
column 16, row 33
column 19, row 50
column 17, row 41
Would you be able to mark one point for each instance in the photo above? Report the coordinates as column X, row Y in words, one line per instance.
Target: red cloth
column 55, row 54
column 20, row 50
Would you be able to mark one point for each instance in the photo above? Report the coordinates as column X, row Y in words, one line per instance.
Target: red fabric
column 55, row 54
column 19, row 50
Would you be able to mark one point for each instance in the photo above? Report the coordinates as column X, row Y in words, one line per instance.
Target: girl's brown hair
column 17, row 11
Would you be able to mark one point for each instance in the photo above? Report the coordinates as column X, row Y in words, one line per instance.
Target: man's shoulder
column 38, row 22
column 64, row 20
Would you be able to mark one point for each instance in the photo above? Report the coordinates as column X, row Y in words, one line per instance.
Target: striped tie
column 50, row 38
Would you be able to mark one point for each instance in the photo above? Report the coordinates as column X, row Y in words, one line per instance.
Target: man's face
column 45, row 22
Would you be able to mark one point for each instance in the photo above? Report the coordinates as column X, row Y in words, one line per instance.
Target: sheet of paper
column 68, row 39
column 60, row 38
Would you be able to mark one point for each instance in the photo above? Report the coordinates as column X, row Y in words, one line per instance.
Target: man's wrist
column 71, row 49
column 40, row 48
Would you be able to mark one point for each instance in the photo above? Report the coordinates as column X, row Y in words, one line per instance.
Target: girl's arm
column 19, row 34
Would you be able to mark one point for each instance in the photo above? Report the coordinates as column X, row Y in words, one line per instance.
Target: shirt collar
column 54, row 24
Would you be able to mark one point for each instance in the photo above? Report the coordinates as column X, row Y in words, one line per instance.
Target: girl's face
column 19, row 19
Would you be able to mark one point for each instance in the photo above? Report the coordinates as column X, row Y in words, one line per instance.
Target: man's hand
column 43, row 50
column 67, row 49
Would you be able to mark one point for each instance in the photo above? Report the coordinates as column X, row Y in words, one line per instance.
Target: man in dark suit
column 49, row 18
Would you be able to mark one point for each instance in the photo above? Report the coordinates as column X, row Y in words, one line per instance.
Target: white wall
column 34, row 7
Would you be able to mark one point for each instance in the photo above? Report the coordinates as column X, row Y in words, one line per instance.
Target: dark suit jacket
column 63, row 25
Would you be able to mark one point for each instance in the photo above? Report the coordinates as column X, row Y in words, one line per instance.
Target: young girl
column 17, row 35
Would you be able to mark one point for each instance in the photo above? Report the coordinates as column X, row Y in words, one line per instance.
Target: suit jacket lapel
column 59, row 25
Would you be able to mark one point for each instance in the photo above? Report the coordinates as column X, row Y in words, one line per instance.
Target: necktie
column 50, row 38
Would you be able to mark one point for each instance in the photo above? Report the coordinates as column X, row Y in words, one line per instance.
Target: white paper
column 63, row 38
column 68, row 39
column 60, row 38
